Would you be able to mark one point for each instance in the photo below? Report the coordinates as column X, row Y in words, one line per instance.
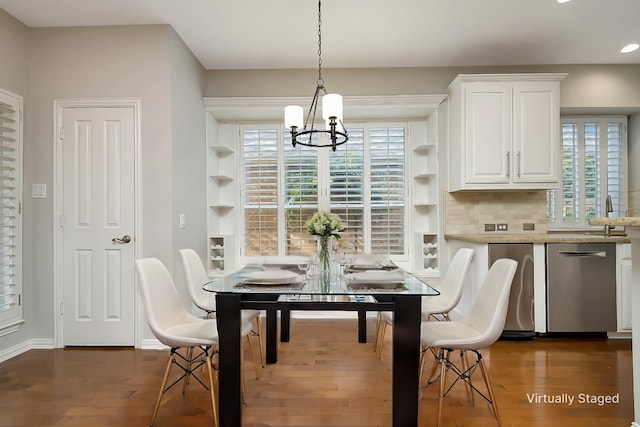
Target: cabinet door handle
column 508, row 164
column 518, row 164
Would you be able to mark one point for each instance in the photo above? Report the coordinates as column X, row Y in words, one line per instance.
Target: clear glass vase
column 325, row 247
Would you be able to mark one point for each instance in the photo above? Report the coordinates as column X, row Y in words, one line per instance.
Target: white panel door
column 98, row 226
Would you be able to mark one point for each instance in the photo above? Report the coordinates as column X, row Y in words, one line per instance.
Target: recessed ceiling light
column 630, row 48
column 564, row 1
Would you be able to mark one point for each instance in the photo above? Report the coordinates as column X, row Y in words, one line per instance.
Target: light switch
column 38, row 191
column 183, row 221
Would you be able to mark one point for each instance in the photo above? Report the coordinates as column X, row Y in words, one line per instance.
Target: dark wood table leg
column 229, row 369
column 406, row 360
column 285, row 325
column 271, row 341
column 362, row 326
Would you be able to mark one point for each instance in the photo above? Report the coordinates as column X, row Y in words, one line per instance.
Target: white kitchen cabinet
column 504, row 131
column 624, row 286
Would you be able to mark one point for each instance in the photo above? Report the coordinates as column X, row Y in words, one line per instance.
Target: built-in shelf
column 424, row 198
column 222, row 197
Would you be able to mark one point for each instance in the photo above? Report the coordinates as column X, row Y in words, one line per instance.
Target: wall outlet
column 503, row 227
column 528, row 226
column 489, row 227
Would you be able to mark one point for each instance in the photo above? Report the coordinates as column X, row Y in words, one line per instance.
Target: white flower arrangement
column 324, row 224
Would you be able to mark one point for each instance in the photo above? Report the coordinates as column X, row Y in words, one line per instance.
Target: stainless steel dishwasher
column 520, row 320
column 581, row 287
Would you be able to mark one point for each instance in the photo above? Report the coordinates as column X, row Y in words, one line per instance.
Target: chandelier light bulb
column 293, row 116
column 332, row 106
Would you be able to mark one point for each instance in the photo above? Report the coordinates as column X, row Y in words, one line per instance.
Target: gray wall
column 144, row 62
column 189, row 155
column 601, row 86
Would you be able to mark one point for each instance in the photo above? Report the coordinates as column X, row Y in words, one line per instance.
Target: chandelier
column 331, row 111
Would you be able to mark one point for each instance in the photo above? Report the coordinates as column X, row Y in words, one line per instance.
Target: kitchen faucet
column 609, row 207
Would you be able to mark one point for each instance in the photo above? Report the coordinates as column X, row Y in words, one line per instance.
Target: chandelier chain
column 320, row 81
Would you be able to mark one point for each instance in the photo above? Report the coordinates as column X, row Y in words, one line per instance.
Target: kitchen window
column 363, row 182
column 594, row 166
column 10, row 212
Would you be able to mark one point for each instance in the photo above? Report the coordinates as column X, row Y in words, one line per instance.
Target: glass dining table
column 282, row 290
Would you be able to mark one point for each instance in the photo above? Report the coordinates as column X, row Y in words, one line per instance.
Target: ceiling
column 261, row 34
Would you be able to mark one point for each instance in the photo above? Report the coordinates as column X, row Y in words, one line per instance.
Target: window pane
column 363, row 182
column 301, row 195
column 387, row 190
column 260, row 192
column 615, row 167
column 347, row 190
column 569, row 172
column 592, row 169
column 594, row 156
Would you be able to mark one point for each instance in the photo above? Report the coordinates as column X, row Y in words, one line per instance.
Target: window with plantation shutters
column 363, row 182
column 260, row 191
column 594, row 158
column 10, row 211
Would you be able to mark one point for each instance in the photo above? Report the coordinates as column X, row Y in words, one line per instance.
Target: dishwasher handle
column 599, row 254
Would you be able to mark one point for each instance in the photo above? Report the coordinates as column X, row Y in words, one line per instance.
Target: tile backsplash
column 468, row 212
column 634, row 199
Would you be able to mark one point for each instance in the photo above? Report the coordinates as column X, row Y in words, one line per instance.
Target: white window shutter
column 10, row 211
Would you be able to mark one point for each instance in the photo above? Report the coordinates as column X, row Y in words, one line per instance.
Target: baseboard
column 152, row 344
column 25, row 346
column 619, row 335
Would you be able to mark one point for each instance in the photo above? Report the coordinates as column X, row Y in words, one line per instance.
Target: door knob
column 125, row 239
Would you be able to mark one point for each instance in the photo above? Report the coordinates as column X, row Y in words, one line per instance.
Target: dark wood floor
column 324, row 378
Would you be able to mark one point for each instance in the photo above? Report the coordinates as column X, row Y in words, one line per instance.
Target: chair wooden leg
column 212, row 388
column 376, row 340
column 256, row 365
column 423, row 356
column 162, row 386
column 260, row 341
column 443, row 372
column 485, row 377
column 467, row 384
column 434, row 367
column 383, row 332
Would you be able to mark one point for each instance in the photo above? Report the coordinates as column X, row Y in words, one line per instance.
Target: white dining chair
column 450, row 289
column 476, row 331
column 196, row 276
column 192, row 340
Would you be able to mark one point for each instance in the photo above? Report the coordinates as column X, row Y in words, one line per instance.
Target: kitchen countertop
column 627, row 221
column 550, row 237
